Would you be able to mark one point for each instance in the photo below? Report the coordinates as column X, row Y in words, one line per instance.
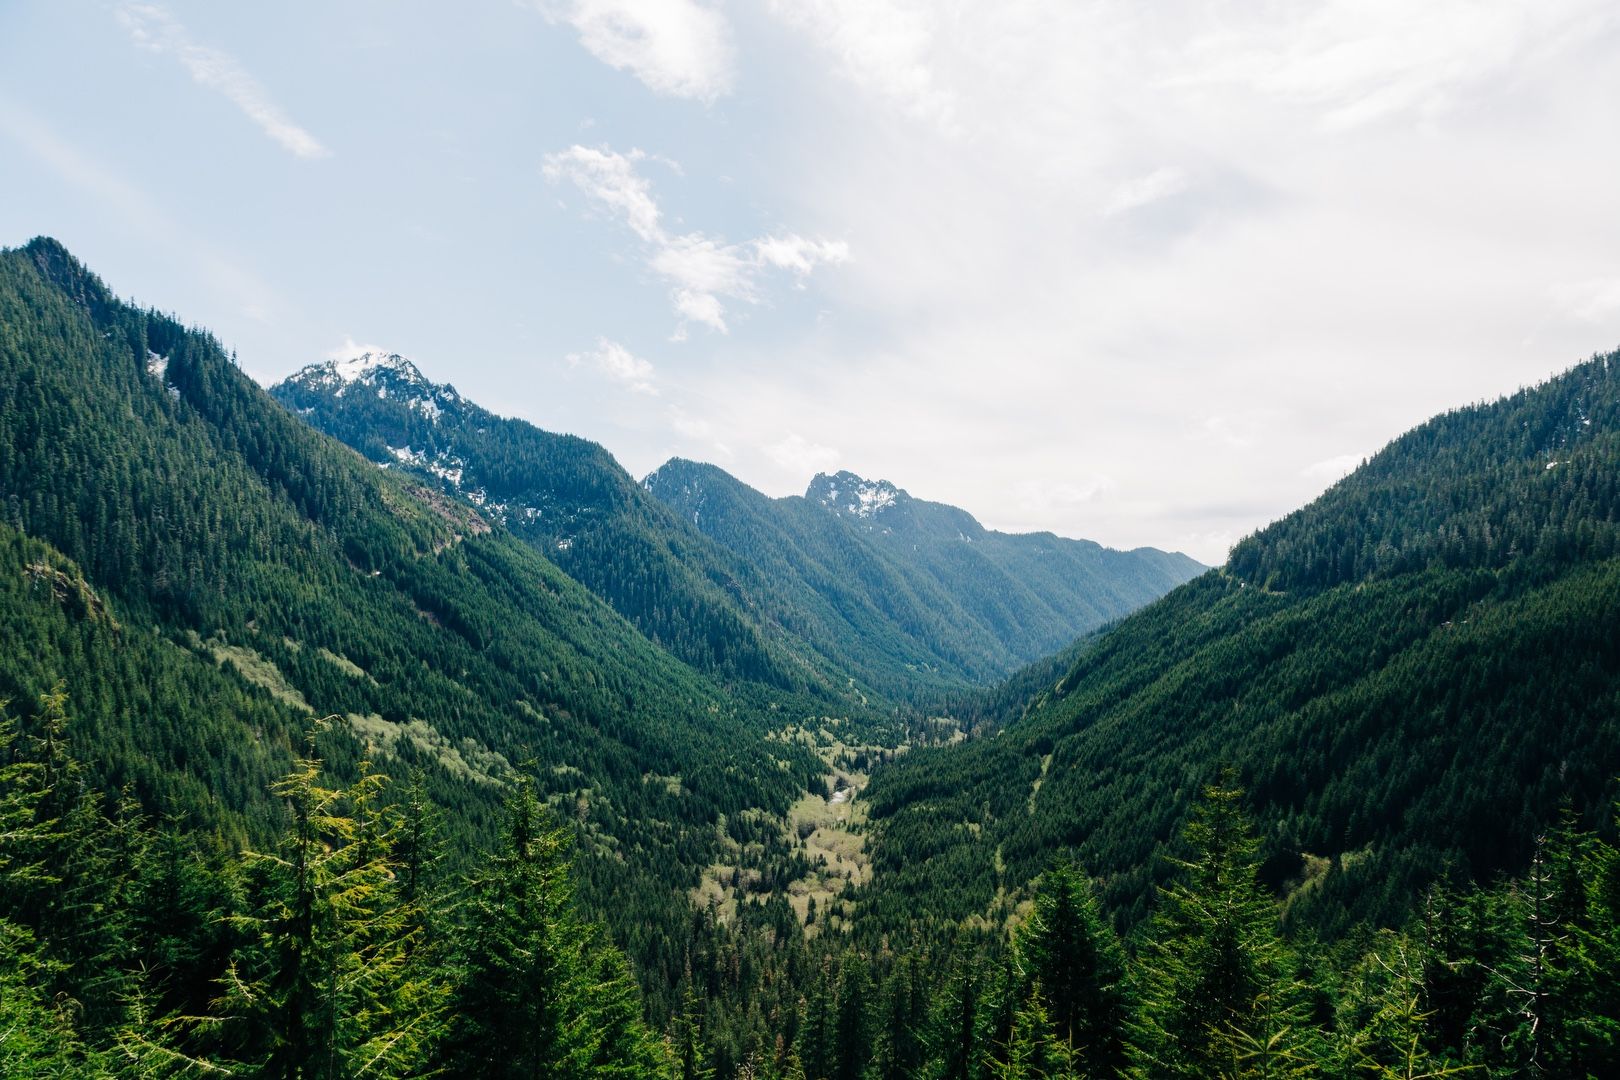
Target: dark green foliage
column 1426, row 714
column 531, row 999
column 1216, row 986
column 794, row 593
column 918, row 598
column 568, row 498
column 205, row 571
column 1416, row 677
column 1076, row 967
column 313, row 962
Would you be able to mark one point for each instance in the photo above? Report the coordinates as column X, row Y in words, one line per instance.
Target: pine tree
column 817, row 1030
column 1382, row 1029
column 1216, row 991
column 954, row 1039
column 518, row 975
column 852, row 1032
column 38, row 1040
column 326, row 986
column 898, row 1047
column 538, row 992
column 1033, row 1050
column 616, row 1044
column 38, row 1029
column 65, row 866
column 1073, row 954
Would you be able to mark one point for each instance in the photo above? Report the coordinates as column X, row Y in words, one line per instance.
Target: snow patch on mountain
column 872, row 499
column 389, row 374
column 848, row 494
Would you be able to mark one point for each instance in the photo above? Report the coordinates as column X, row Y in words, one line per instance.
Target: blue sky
column 1149, row 274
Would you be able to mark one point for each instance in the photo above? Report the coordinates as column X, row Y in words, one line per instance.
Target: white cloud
column 697, row 307
column 1594, row 301
column 802, row 456
column 1188, row 247
column 1239, row 432
column 353, row 350
column 794, row 252
column 1357, row 62
column 1333, row 468
column 884, row 46
column 703, row 271
column 698, row 430
column 610, row 179
column 1040, row 498
column 703, row 265
column 618, row 363
column 154, row 28
column 679, row 48
column 1145, row 190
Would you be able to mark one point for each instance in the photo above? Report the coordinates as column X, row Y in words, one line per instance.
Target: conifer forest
column 885, row 541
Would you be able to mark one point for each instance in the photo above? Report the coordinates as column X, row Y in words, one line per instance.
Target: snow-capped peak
column 390, row 374
column 367, row 366
column 848, row 494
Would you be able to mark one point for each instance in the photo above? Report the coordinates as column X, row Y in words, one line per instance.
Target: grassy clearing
column 255, row 669
column 827, row 826
column 345, row 665
column 468, row 759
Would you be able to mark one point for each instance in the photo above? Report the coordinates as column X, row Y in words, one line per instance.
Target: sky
column 1150, row 274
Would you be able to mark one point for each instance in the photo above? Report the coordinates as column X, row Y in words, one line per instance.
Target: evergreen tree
column 1215, row 982
column 1383, row 1031
column 955, row 1028
column 691, row 1051
column 535, row 994
column 852, row 1032
column 817, row 1031
column 1070, row 951
column 1033, row 1050
column 326, row 986
column 38, row 1040
column 898, row 1046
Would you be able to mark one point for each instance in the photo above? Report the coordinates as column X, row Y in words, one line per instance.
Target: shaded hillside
column 564, row 495
column 809, row 602
column 205, row 572
column 1411, row 675
column 914, row 594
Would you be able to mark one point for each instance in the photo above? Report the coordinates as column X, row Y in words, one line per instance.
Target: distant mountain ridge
column 931, row 589
column 564, row 495
column 816, row 597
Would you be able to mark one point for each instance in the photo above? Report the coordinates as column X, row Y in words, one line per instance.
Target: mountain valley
column 344, row 701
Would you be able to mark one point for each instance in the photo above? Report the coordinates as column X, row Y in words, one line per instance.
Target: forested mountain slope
column 564, row 495
column 916, row 596
column 204, row 572
column 1031, row 589
column 1411, row 675
column 902, row 596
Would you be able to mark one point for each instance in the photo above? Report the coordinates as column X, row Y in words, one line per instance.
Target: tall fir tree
column 1069, row 949
column 1215, row 985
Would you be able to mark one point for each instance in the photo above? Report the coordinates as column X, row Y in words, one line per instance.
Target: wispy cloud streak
column 703, row 271
column 153, row 28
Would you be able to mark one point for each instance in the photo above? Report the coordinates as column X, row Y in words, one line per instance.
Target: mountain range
column 893, row 596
